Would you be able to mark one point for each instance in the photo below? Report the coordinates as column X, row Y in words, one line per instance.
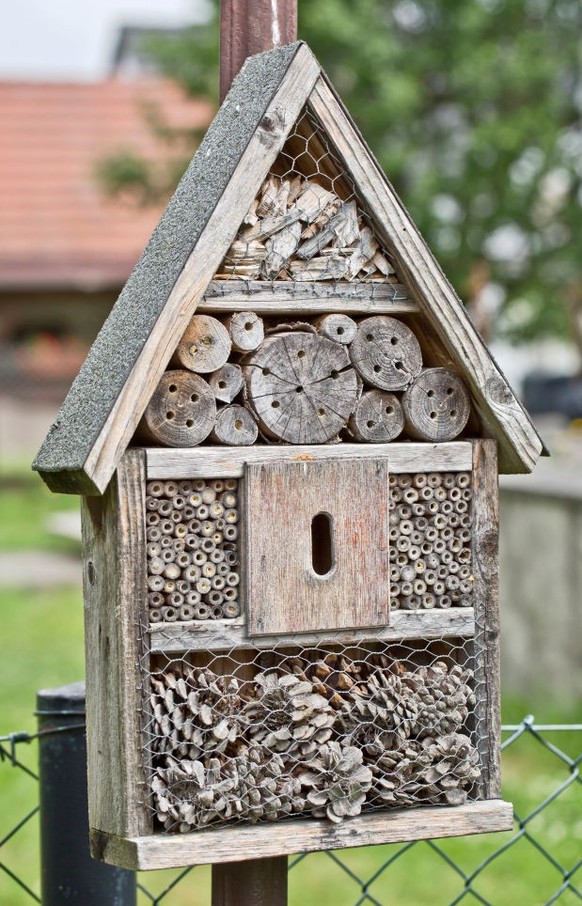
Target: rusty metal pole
column 251, row 26
column 248, row 27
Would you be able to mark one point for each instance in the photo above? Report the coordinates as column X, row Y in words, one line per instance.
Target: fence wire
column 538, row 864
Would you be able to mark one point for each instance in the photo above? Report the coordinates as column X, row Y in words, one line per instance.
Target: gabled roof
column 105, row 403
column 58, row 229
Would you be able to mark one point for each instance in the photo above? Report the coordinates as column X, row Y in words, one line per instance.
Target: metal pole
column 68, row 873
column 251, row 26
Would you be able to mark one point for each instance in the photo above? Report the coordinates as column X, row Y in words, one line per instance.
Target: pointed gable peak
column 281, row 146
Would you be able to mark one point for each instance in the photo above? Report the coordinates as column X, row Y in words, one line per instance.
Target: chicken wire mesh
column 241, row 735
column 542, row 855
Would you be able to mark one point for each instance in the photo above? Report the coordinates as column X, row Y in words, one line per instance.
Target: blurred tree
column 474, row 111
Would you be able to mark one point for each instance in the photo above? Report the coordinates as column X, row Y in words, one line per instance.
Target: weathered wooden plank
column 115, row 621
column 316, row 540
column 287, row 837
column 288, row 298
column 519, row 444
column 486, row 602
column 175, row 638
column 228, row 462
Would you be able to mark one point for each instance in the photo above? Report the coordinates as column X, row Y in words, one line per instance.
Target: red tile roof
column 57, row 228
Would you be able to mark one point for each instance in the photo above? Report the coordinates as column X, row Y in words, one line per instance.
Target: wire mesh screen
column 292, row 728
column 306, row 224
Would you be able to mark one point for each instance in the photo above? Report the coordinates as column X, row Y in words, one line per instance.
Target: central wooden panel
column 304, row 517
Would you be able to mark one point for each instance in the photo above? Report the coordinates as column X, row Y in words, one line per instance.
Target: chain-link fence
column 539, row 863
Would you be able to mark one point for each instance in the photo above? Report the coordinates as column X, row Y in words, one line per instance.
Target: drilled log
column 226, row 383
column 235, row 426
column 246, row 331
column 386, row 353
column 204, row 347
column 181, row 411
column 377, row 417
column 340, row 328
column 436, row 406
column 301, row 387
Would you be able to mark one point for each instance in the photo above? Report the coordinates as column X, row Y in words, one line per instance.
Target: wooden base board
column 296, row 836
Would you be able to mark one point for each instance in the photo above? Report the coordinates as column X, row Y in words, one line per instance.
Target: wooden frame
column 119, row 643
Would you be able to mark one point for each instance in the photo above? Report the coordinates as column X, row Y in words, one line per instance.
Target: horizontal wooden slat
column 288, row 837
column 228, row 462
column 221, row 635
column 288, row 298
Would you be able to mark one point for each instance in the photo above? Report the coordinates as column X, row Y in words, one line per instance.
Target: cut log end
column 378, row 418
column 204, row 347
column 386, row 353
column 181, row 411
column 235, row 426
column 246, row 331
column 436, row 406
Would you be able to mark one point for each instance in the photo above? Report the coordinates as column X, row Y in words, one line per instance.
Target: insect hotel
column 287, row 437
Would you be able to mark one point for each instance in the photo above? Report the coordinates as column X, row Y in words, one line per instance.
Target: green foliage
column 473, row 111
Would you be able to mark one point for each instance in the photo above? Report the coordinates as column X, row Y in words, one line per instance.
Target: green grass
column 43, row 646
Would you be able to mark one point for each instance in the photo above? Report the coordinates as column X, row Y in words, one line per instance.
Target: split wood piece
column 340, row 328
column 227, row 382
column 436, row 405
column 204, row 347
column 377, row 418
column 343, row 228
column 245, row 251
column 328, row 267
column 301, row 387
column 386, row 353
column 235, row 426
column 181, row 411
column 246, row 331
column 279, row 250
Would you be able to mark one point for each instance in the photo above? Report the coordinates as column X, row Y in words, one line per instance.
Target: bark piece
column 340, row 328
column 301, row 386
column 386, row 353
column 235, row 426
column 377, row 418
column 279, row 250
column 246, row 331
column 181, row 411
column 227, row 382
column 436, row 405
column 204, row 347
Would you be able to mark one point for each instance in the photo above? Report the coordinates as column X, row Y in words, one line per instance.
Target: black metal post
column 68, row 873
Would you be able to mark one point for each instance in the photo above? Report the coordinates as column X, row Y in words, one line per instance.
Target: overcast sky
column 74, row 39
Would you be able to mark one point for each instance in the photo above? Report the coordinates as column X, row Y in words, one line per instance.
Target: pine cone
column 443, row 697
column 381, row 717
column 431, row 771
column 337, row 782
column 251, row 786
column 195, row 712
column 288, row 716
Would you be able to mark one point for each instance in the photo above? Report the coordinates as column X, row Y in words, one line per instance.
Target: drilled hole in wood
column 389, row 410
column 266, row 370
column 275, row 404
column 369, row 336
column 430, row 393
column 194, row 397
column 321, row 411
column 433, row 414
column 172, row 388
column 340, row 331
column 189, row 422
column 453, row 413
column 449, row 391
column 222, row 384
column 238, row 424
column 170, row 416
column 300, row 353
column 91, row 572
column 249, row 325
column 299, row 389
column 393, row 341
column 322, row 544
column 377, row 369
column 399, row 366
column 335, row 375
column 370, row 424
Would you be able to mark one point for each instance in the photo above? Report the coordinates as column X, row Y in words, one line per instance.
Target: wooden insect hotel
column 287, row 437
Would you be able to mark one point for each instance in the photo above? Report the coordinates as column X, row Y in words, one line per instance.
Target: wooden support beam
column 247, row 28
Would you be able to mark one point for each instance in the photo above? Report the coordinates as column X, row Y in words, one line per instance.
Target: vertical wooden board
column 114, row 592
column 284, row 591
column 486, row 602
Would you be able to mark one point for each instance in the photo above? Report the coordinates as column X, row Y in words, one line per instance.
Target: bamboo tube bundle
column 192, row 556
column 429, row 542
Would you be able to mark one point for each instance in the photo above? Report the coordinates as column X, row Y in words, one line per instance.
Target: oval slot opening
column 322, row 544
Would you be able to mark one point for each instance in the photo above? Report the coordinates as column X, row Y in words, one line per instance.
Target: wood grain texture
column 454, row 622
column 436, row 406
column 203, row 262
column 255, row 882
column 235, row 425
column 288, row 298
column 486, row 601
column 115, row 622
column 181, row 412
column 519, row 443
column 377, row 418
column 204, row 346
column 386, row 353
column 228, row 462
column 288, row 837
column 301, row 387
column 286, row 591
